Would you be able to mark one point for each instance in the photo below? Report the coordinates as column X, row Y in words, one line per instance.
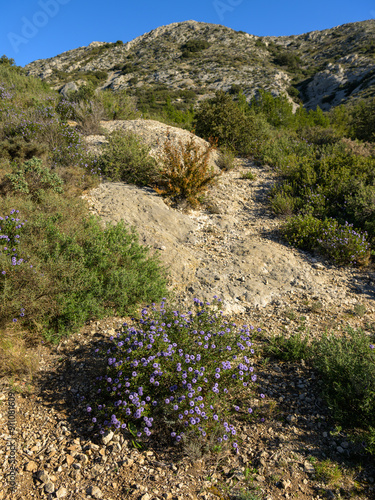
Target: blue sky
column 38, row 29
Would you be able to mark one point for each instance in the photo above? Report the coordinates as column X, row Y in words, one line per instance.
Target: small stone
column 69, row 460
column 76, row 475
column 49, row 487
column 107, row 437
column 31, row 466
column 309, row 468
column 82, row 458
column 43, row 476
column 96, row 470
column 94, row 491
column 285, row 483
column 146, row 496
column 61, row 492
column 340, row 449
column 345, row 444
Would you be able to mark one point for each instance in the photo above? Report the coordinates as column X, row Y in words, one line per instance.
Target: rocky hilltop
column 325, row 68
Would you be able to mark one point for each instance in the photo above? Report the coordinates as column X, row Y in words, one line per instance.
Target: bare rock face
column 330, row 87
column 67, row 88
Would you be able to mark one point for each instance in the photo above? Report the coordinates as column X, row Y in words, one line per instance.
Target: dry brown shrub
column 185, row 170
column 365, row 149
column 17, row 357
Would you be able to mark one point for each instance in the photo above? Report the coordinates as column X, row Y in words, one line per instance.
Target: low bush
column 282, row 204
column 59, row 267
column 340, row 243
column 118, row 105
column 176, row 375
column 17, row 149
column 125, row 158
column 226, row 159
column 294, row 348
column 185, row 171
column 320, row 135
column 88, row 114
column 347, row 367
column 66, row 148
column 360, row 206
column 343, row 244
column 32, row 179
column 363, row 120
column 302, row 231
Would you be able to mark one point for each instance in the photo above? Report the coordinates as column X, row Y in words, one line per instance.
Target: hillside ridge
column 318, row 68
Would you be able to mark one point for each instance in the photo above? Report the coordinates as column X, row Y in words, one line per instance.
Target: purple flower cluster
column 4, row 93
column 176, row 367
column 343, row 243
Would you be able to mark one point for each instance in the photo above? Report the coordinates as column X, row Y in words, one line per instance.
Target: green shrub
column 294, row 348
column 230, row 123
column 287, row 59
column 347, row 367
column 277, row 110
column 125, row 158
column 118, row 105
column 69, row 269
column 340, row 243
column 248, row 175
column 302, row 231
column 17, row 149
column 361, row 205
column 32, row 178
column 320, row 135
column 289, row 154
column 67, row 149
column 191, row 47
column 88, row 114
column 282, row 204
column 226, row 159
column 363, row 121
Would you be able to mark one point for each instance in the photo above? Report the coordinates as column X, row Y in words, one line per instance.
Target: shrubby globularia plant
column 175, row 371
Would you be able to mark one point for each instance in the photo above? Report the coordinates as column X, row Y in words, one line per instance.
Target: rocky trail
column 229, row 248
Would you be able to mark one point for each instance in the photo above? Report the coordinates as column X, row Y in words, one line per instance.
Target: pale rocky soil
column 229, row 248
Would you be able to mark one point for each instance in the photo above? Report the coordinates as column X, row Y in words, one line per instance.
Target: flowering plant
column 184, row 371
